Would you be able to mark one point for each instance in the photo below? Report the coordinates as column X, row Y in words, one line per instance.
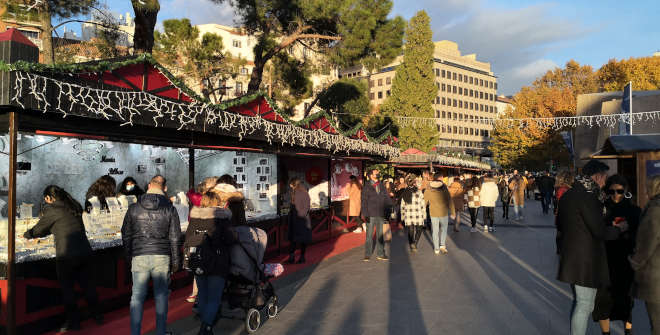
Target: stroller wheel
column 252, row 320
column 272, row 310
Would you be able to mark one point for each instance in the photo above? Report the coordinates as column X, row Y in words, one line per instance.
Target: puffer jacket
column 70, row 238
column 151, row 227
column 489, row 193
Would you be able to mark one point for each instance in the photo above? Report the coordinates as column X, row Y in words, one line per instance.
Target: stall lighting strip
column 228, row 148
column 312, row 155
column 76, row 135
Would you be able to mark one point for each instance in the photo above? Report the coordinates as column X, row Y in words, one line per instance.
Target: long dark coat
column 300, row 225
column 616, row 302
column 583, row 259
column 646, row 260
column 375, row 200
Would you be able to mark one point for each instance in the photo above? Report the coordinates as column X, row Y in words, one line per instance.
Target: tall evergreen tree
column 413, row 88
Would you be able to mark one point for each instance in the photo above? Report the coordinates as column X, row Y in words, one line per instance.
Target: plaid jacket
column 414, row 213
column 474, row 201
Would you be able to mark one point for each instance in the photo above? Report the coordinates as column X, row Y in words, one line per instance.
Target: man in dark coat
column 374, row 201
column 546, row 187
column 583, row 259
column 151, row 233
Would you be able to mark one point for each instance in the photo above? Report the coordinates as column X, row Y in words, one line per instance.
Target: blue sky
column 521, row 39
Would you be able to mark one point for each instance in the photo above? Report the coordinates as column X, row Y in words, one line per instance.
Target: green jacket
column 439, row 201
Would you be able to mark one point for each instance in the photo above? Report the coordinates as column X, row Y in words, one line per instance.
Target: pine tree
column 413, row 88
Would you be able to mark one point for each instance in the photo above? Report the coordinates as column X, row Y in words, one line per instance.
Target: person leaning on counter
column 62, row 217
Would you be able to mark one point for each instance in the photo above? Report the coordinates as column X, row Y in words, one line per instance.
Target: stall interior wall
column 255, row 172
column 46, row 160
column 314, row 174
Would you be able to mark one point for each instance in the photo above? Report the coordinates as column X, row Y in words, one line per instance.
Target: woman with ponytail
column 62, row 217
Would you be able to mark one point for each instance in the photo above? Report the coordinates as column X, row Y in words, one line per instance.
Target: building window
column 455, row 130
column 371, row 96
column 481, row 82
column 388, row 80
column 239, row 88
column 455, row 103
column 380, row 82
column 460, row 117
column 453, row 76
column 380, row 95
column 443, row 87
column 244, row 70
column 444, row 102
column 460, row 103
column 443, row 114
column 460, row 77
column 471, row 106
column 495, row 86
column 481, row 95
column 371, row 83
column 471, row 131
column 389, row 93
column 460, row 90
column 471, row 93
column 443, row 73
column 453, row 88
column 236, row 43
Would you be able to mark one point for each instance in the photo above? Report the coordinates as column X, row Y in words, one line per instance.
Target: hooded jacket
column 151, row 227
column 216, row 223
column 438, row 199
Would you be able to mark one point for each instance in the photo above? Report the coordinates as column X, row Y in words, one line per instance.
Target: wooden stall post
column 11, row 226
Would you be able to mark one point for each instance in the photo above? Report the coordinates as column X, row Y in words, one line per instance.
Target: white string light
column 127, row 107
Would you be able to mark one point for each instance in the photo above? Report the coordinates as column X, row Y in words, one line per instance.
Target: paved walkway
column 497, row 283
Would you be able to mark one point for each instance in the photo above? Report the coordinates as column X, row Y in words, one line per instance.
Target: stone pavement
column 489, row 283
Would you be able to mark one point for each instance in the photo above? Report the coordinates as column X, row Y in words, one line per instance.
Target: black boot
column 627, row 331
column 292, row 258
column 205, row 329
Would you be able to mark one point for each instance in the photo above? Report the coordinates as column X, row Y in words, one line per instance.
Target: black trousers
column 294, row 246
column 473, row 215
column 489, row 216
column 80, row 270
column 505, row 209
column 653, row 309
column 414, row 233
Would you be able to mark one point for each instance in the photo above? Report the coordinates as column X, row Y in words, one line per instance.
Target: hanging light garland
column 137, row 107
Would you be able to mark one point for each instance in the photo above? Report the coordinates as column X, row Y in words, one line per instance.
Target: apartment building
column 125, row 27
column 467, row 94
column 30, row 26
column 503, row 104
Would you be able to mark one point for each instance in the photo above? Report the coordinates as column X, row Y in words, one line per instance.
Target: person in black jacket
column 374, row 201
column 547, row 187
column 62, row 217
column 583, row 259
column 151, row 233
column 212, row 219
column 615, row 302
column 130, row 187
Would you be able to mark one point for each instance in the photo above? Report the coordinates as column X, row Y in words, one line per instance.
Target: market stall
column 637, row 158
column 70, row 124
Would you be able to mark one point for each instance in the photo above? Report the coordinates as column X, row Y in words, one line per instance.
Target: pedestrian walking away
column 583, row 259
column 440, row 206
column 375, row 199
column 488, row 196
column 646, row 260
column 457, row 192
column 413, row 210
column 300, row 225
column 62, row 217
column 473, row 200
column 546, row 186
column 150, row 234
column 505, row 197
column 517, row 186
column 615, row 302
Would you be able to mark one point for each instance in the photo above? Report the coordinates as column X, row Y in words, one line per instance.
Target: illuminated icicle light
column 128, row 106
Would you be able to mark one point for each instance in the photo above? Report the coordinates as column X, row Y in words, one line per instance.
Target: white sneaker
column 443, row 249
column 359, row 230
column 485, row 229
column 473, row 230
column 437, row 252
column 491, row 229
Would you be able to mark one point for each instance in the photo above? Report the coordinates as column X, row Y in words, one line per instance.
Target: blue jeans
column 585, row 299
column 546, row 201
column 441, row 224
column 209, row 297
column 376, row 221
column 143, row 268
column 518, row 209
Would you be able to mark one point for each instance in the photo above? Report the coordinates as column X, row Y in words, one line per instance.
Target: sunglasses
column 619, row 191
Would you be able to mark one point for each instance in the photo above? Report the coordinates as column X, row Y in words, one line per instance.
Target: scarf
column 591, row 187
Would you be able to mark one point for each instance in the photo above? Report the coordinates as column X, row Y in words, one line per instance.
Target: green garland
column 109, row 65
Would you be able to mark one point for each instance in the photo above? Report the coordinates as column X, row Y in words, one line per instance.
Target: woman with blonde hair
column 563, row 183
column 300, row 225
column 646, row 260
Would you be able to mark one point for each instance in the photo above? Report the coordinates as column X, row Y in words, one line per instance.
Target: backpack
column 204, row 259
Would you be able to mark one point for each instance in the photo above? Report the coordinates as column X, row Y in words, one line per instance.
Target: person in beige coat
column 440, row 204
column 457, row 193
column 517, row 185
column 355, row 203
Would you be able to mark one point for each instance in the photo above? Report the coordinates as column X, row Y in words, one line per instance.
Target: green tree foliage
column 413, row 88
column 290, row 81
column 43, row 11
column 348, row 31
column 348, row 99
column 200, row 60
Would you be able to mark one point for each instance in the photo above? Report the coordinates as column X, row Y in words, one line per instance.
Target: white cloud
column 517, row 42
column 197, row 11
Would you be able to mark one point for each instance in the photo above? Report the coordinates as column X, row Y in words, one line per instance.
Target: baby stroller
column 248, row 287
